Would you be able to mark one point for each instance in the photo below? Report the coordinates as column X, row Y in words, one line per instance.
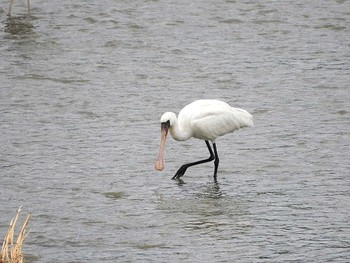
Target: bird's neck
column 178, row 132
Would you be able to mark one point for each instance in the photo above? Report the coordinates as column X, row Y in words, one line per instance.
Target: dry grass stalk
column 10, row 8
column 11, row 251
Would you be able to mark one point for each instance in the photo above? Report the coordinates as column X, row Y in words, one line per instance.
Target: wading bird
column 10, row 8
column 205, row 120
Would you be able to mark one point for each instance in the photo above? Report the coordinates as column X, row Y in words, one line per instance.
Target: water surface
column 83, row 85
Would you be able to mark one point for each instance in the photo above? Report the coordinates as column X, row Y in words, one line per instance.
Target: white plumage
column 205, row 120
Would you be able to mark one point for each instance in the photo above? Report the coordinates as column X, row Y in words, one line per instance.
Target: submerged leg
column 216, row 161
column 184, row 167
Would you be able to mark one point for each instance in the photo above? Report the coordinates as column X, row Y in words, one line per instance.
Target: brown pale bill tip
column 159, row 164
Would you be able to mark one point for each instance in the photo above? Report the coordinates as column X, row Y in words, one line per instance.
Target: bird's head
column 168, row 117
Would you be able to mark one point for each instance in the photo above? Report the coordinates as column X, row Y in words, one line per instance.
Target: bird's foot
column 180, row 172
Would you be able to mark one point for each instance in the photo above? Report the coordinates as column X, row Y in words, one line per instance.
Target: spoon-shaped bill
column 159, row 164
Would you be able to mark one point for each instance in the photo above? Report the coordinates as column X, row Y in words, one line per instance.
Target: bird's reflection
column 179, row 182
column 210, row 190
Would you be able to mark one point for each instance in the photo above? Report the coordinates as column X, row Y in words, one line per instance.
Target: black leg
column 184, row 167
column 216, row 161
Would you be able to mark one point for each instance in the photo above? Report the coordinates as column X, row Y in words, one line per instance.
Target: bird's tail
column 245, row 119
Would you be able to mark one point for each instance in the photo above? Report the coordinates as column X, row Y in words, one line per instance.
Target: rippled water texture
column 84, row 83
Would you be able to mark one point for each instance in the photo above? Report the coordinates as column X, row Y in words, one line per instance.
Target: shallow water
column 83, row 85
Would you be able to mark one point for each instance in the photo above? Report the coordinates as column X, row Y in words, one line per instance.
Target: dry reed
column 10, row 8
column 11, row 251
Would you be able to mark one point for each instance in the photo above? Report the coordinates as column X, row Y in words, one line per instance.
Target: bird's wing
column 210, row 124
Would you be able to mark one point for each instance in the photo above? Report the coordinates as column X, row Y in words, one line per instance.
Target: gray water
column 83, row 86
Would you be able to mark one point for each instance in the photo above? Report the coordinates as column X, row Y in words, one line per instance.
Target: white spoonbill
column 205, row 120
